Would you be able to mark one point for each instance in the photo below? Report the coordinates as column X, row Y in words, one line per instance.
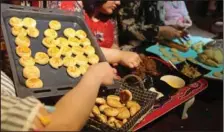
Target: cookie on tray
column 56, row 62
column 27, row 61
column 41, row 58
column 89, row 50
column 54, row 24
column 49, row 42
column 18, row 31
column 73, row 71
column 66, row 51
column 54, row 52
column 33, row 32
column 34, row 83
column 29, row 22
column 69, row 32
column 16, row 22
column 81, row 60
column 50, row 33
column 93, row 59
column 62, row 42
column 80, row 34
column 85, row 41
column 72, row 41
column 77, row 50
column 22, row 41
column 31, row 72
column 69, row 61
column 23, row 51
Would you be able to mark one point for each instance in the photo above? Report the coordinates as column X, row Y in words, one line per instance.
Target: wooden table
column 185, row 95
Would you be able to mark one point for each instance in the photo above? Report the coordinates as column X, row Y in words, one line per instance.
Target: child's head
column 102, row 6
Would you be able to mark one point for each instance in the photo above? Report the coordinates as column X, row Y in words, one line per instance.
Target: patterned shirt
column 138, row 20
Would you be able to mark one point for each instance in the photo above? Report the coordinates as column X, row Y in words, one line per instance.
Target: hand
column 169, row 32
column 187, row 22
column 130, row 59
column 104, row 72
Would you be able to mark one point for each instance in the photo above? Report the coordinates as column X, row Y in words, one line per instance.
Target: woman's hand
column 187, row 22
column 169, row 32
column 130, row 59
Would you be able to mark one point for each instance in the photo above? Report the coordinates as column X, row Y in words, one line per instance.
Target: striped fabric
column 7, row 86
column 18, row 114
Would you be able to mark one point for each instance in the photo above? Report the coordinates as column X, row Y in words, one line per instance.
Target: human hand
column 130, row 59
column 169, row 32
column 104, row 72
column 187, row 22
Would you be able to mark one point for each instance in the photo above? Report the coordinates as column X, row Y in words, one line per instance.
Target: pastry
column 34, row 83
column 93, row 59
column 89, row 50
column 26, row 61
column 50, row 33
column 100, row 101
column 62, row 42
column 33, row 32
column 123, row 113
column 81, row 60
column 80, row 34
column 125, row 96
column 66, row 51
column 111, row 121
column 113, row 97
column 114, row 103
column 48, row 42
column 22, row 41
column 56, row 62
column 29, row 22
column 102, row 118
column 31, row 72
column 118, row 123
column 69, row 61
column 19, row 31
column 41, row 58
column 102, row 107
column 83, row 68
column 77, row 50
column 95, row 110
column 73, row 71
column 54, row 24
column 54, row 52
column 15, row 22
column 132, row 103
column 134, row 109
column 112, row 112
column 73, row 41
column 124, row 121
column 69, row 32
column 23, row 51
column 85, row 41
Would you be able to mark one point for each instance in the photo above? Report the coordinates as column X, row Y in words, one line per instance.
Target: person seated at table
column 99, row 17
column 140, row 25
column 69, row 114
column 174, row 13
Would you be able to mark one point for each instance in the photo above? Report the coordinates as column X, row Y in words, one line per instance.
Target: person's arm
column 73, row 109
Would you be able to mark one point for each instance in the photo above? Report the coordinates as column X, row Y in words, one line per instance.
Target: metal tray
column 56, row 82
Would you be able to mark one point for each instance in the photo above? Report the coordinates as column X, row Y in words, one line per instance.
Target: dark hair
column 90, row 5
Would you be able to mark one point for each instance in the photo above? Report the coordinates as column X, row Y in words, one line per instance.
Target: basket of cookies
column 123, row 109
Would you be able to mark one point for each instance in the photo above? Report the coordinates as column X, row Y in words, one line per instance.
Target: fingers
column 115, row 64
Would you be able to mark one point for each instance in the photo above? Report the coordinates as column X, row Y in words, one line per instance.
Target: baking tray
column 56, row 82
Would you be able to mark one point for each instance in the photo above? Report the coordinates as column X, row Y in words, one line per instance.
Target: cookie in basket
column 102, row 118
column 27, row 61
column 77, row 50
column 123, row 113
column 81, row 60
column 54, row 24
column 31, row 72
column 23, row 51
column 114, row 103
column 15, row 22
column 113, row 97
column 69, row 61
column 56, row 62
column 103, row 107
column 34, row 83
column 85, row 41
column 72, row 41
column 49, row 42
column 93, row 59
column 18, row 31
column 69, row 32
column 29, row 22
column 33, row 32
column 89, row 50
column 100, row 101
column 62, row 42
column 66, row 50
column 50, row 33
column 54, row 52
column 41, row 58
column 111, row 112
column 80, row 34
column 73, row 71
column 22, row 41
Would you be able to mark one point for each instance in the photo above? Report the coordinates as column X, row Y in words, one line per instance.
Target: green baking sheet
column 190, row 53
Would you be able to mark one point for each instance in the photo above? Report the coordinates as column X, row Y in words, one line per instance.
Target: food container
column 56, row 82
column 141, row 95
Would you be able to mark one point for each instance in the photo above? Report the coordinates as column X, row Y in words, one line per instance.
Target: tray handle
column 141, row 83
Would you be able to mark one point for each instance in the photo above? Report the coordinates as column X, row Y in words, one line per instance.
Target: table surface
column 183, row 95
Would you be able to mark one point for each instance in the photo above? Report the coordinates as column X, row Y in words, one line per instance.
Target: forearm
column 72, row 110
column 112, row 55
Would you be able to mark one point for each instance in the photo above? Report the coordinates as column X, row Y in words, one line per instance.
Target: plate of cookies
column 49, row 52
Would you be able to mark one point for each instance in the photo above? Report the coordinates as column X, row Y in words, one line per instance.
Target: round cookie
column 89, row 50
column 73, row 71
column 31, row 72
column 80, row 34
column 56, row 62
column 77, row 50
column 33, row 32
column 23, row 51
column 69, row 32
column 15, row 22
column 100, row 101
column 62, row 42
column 22, row 41
column 85, row 41
column 83, row 68
column 73, row 41
column 93, row 59
column 81, row 60
column 50, row 33
column 29, row 22
column 41, row 58
column 18, row 31
column 34, row 83
column 54, row 24
column 27, row 61
column 69, row 61
column 54, row 52
column 66, row 51
column 112, row 112
column 48, row 42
